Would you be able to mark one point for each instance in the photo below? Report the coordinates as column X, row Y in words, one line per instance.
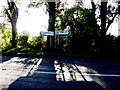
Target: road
column 22, row 72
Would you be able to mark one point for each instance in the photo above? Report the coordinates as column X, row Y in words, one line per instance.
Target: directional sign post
column 51, row 33
column 62, row 32
column 48, row 33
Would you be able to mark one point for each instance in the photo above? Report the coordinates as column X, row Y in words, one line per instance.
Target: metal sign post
column 63, row 33
column 58, row 40
column 48, row 33
column 51, row 33
column 50, row 42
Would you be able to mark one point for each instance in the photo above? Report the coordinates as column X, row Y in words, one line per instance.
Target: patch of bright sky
column 2, row 3
column 32, row 20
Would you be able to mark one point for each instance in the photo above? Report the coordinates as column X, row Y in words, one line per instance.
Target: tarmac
column 45, row 73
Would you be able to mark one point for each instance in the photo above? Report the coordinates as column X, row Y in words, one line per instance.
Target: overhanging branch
column 8, row 14
column 111, row 21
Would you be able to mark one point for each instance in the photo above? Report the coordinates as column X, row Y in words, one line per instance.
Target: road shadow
column 5, row 58
column 54, row 73
column 95, row 68
column 101, row 66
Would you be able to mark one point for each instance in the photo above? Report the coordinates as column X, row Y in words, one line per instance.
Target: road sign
column 62, row 32
column 51, row 33
column 48, row 33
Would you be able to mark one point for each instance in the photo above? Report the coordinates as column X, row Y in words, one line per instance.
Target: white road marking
column 107, row 75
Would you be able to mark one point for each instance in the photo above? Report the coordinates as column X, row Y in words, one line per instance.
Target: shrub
column 36, row 42
column 22, row 40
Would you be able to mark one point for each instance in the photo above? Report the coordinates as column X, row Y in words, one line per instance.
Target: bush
column 36, row 42
column 22, row 40
column 5, row 36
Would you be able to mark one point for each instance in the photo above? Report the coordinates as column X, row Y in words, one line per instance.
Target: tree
column 93, row 11
column 12, row 13
column 103, row 17
column 51, row 5
column 81, row 27
column 107, row 15
column 51, row 26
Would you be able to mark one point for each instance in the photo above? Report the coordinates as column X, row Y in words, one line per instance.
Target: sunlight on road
column 72, row 72
column 14, row 68
column 47, row 71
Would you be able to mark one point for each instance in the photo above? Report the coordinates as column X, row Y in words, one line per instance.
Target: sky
column 32, row 21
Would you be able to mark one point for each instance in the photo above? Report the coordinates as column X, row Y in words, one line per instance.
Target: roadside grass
column 21, row 51
column 59, row 53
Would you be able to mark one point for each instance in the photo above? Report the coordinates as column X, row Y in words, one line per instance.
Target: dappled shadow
column 26, row 61
column 100, row 65
column 94, row 70
column 56, row 73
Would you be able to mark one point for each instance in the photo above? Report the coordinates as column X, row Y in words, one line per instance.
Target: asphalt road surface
column 22, row 72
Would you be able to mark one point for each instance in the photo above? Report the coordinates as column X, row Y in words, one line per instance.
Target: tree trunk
column 103, row 17
column 93, row 12
column 14, row 33
column 51, row 26
column 12, row 13
column 103, row 25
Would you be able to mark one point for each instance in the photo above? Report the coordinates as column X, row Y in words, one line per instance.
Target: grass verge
column 32, row 52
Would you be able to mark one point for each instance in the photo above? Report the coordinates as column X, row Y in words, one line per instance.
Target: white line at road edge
column 109, row 75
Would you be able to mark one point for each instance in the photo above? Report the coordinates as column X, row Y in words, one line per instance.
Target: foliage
column 21, row 51
column 83, row 31
column 106, row 14
column 5, row 33
column 37, row 42
column 22, row 40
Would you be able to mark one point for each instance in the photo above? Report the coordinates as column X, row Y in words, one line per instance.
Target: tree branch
column 8, row 14
column 111, row 21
